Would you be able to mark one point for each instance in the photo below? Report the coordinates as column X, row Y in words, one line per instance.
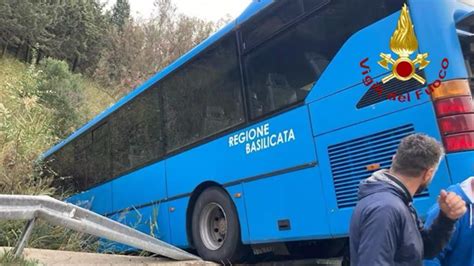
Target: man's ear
column 429, row 174
column 472, row 184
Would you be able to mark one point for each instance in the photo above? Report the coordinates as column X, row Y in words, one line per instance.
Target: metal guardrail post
column 15, row 207
column 25, row 236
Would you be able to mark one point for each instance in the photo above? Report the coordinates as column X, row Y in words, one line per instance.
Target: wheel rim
column 213, row 226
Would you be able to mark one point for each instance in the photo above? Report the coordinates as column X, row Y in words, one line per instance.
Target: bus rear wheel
column 216, row 228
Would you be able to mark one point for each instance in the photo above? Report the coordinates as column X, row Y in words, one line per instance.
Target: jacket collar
column 385, row 176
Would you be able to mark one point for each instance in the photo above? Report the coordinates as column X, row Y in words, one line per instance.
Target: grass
column 27, row 128
column 7, row 258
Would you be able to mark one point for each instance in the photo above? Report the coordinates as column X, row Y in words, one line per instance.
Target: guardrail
column 31, row 208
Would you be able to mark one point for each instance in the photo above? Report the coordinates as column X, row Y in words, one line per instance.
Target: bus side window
column 282, row 71
column 204, row 96
column 292, row 61
column 61, row 166
column 136, row 133
column 99, row 157
column 82, row 150
column 279, row 92
column 274, row 19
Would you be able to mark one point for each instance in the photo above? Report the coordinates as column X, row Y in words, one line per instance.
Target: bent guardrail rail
column 30, row 208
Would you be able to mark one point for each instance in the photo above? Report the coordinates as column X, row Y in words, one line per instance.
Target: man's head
column 418, row 156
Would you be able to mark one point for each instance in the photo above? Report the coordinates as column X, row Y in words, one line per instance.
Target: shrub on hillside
column 24, row 131
column 59, row 90
column 38, row 106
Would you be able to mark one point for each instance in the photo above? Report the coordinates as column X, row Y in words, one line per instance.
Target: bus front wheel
column 216, row 228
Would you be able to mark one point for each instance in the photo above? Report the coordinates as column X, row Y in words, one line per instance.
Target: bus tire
column 216, row 228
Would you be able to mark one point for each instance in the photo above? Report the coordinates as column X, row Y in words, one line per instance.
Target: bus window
column 136, row 133
column 270, row 22
column 468, row 53
column 82, row 151
column 283, row 70
column 100, row 155
column 61, row 165
column 310, row 5
column 203, row 97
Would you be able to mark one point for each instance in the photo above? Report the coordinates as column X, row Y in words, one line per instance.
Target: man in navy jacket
column 385, row 229
column 460, row 249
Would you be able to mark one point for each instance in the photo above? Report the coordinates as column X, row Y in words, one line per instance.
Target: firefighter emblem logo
column 404, row 43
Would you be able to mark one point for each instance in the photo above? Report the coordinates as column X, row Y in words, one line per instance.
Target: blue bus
column 257, row 138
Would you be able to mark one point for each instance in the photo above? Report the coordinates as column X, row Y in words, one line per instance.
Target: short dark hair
column 417, row 153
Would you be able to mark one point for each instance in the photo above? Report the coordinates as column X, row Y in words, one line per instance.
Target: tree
column 25, row 24
column 112, row 47
column 120, row 13
column 79, row 29
column 69, row 30
column 142, row 48
column 8, row 26
column 120, row 63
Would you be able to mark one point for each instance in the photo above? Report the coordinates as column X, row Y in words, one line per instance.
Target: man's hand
column 451, row 205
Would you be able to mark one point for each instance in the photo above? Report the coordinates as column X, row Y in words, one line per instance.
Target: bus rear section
column 448, row 31
column 375, row 108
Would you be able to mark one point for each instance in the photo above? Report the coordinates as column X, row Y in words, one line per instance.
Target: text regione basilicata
column 261, row 138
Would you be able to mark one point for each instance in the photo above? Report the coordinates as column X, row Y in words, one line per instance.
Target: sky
column 211, row 10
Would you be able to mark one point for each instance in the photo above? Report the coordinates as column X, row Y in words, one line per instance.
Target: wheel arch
column 192, row 201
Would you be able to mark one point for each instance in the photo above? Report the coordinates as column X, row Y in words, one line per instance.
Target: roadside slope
column 55, row 257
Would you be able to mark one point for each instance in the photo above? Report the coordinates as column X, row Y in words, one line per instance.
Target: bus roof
column 255, row 7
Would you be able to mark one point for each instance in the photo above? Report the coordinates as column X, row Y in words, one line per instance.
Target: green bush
column 60, row 91
column 39, row 105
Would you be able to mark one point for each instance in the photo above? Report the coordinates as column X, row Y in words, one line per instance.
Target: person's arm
column 438, row 234
column 379, row 236
column 433, row 262
column 438, row 260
